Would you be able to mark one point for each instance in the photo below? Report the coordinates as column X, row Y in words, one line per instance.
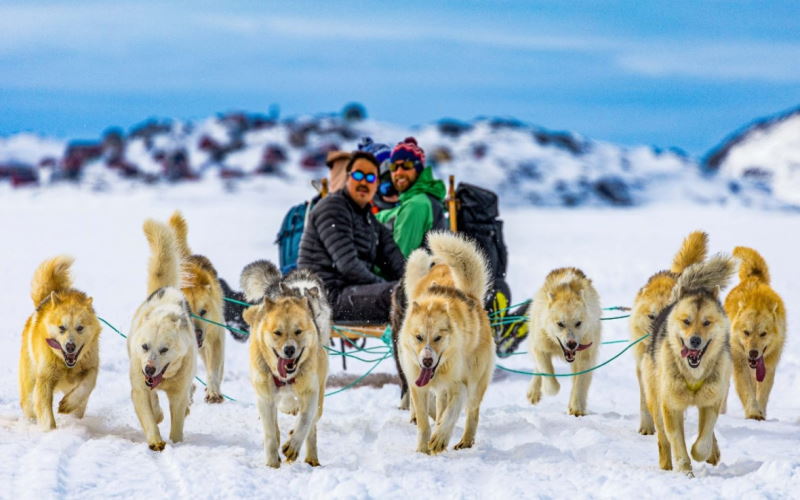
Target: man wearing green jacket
column 421, row 205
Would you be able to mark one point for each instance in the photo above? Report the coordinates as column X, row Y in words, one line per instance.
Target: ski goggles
column 404, row 164
column 359, row 176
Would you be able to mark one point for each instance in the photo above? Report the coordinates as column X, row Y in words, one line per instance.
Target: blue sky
column 671, row 74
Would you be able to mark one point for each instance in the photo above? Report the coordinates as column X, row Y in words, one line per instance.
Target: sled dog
column 758, row 332
column 289, row 327
column 445, row 342
column 59, row 346
column 651, row 299
column 689, row 363
column 564, row 321
column 162, row 345
column 204, row 294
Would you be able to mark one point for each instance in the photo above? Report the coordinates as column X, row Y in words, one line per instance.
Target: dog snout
column 70, row 347
column 572, row 345
column 695, row 341
column 427, row 362
column 753, row 354
column 289, row 351
column 149, row 370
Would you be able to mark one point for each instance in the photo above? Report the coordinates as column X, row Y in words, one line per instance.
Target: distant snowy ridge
column 525, row 164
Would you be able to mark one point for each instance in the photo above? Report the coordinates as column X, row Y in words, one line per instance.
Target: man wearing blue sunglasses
column 353, row 254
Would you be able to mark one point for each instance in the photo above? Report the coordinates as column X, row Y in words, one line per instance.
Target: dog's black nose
column 572, row 345
column 70, row 347
column 695, row 341
column 149, row 370
column 427, row 362
column 288, row 351
column 753, row 354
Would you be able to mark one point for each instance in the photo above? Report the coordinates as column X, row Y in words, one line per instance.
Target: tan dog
column 689, row 364
column 445, row 343
column 758, row 332
column 59, row 346
column 204, row 294
column 565, row 321
column 652, row 299
column 162, row 345
column 288, row 364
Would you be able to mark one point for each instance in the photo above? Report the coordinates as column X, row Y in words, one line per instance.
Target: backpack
column 477, row 218
column 290, row 234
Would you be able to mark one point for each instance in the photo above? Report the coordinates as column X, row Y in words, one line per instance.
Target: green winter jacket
column 413, row 217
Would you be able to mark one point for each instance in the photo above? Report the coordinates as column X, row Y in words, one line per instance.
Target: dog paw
column 157, row 445
column 576, row 412
column 423, row 448
column 755, row 415
column 313, row 462
column 713, row 459
column 463, row 444
column 214, row 398
column 274, row 462
column 175, row 437
column 437, row 443
column 290, row 450
column 551, row 386
column 534, row 397
column 701, row 450
column 64, row 406
column 646, row 430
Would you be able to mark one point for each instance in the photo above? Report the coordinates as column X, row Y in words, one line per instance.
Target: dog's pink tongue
column 684, row 352
column 54, row 344
column 761, row 369
column 425, row 376
column 282, row 364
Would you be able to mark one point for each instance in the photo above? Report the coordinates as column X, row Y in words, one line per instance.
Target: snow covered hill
column 366, row 444
column 527, row 165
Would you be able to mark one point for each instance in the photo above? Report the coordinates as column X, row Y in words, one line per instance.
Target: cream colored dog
column 162, row 344
column 564, row 321
column 445, row 343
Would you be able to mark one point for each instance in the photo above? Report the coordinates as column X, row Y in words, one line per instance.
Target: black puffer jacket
column 342, row 242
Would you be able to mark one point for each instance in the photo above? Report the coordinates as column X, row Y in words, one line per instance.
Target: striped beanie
column 381, row 152
column 409, row 150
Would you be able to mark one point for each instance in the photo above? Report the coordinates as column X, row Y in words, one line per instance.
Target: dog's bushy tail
column 693, row 250
column 178, row 224
column 752, row 265
column 257, row 277
column 708, row 276
column 164, row 266
column 51, row 276
column 470, row 270
column 417, row 266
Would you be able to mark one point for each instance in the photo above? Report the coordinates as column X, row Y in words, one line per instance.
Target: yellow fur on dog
column 59, row 346
column 758, row 332
column 445, row 343
column 651, row 299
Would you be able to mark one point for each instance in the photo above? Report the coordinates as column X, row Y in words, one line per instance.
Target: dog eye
column 419, row 337
column 80, row 328
column 202, row 312
column 687, row 322
column 746, row 333
column 706, row 323
column 560, row 324
column 763, row 334
column 651, row 316
column 298, row 332
column 438, row 338
column 278, row 333
column 62, row 328
column 163, row 350
column 578, row 324
column 145, row 347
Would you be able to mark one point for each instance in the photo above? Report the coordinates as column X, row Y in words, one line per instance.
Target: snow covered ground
column 366, row 444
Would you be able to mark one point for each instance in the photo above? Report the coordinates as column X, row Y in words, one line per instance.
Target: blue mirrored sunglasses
column 358, row 176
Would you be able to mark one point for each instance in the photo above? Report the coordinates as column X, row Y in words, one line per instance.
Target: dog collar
column 280, row 383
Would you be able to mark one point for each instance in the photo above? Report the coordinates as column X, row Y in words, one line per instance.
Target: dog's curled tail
column 470, row 270
column 709, row 276
column 178, row 224
column 752, row 265
column 693, row 250
column 257, row 277
column 164, row 266
column 417, row 266
column 51, row 276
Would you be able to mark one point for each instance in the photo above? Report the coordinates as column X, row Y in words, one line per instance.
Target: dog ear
column 415, row 308
column 284, row 288
column 313, row 292
column 716, row 291
column 253, row 314
column 54, row 298
column 551, row 296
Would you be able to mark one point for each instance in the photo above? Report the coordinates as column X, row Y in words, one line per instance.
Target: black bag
column 477, row 218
